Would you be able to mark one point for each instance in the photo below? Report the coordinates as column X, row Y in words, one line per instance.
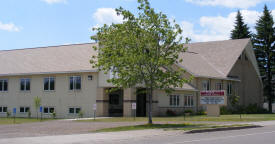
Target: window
column 112, row 73
column 229, row 88
column 219, row 86
column 174, row 100
column 3, row 109
column 75, row 83
column 188, row 100
column 206, row 85
column 24, row 109
column 49, row 83
column 74, row 110
column 3, row 85
column 25, row 84
column 48, row 110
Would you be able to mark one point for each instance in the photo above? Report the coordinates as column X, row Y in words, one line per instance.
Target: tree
column 143, row 50
column 264, row 47
column 37, row 104
column 241, row 29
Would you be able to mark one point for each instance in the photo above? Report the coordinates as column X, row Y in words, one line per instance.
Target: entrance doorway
column 116, row 103
column 141, row 102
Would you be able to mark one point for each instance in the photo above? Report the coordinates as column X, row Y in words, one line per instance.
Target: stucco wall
column 61, row 98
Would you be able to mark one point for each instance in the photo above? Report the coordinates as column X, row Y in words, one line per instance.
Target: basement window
column 3, row 109
column 74, row 110
column 48, row 110
column 24, row 109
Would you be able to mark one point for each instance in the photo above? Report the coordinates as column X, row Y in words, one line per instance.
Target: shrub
column 170, row 113
column 8, row 114
column 188, row 111
column 201, row 112
column 80, row 114
column 224, row 110
column 53, row 115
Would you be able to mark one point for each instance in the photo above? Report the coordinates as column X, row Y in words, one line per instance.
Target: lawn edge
column 222, row 129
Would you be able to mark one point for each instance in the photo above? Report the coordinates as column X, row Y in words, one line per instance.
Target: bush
column 224, row 110
column 250, row 109
column 201, row 112
column 8, row 114
column 188, row 111
column 171, row 113
column 80, row 114
column 53, row 115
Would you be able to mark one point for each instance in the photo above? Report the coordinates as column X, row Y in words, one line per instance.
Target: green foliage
column 264, row 46
column 37, row 104
column 81, row 114
column 8, row 114
column 250, row 109
column 241, row 29
column 201, row 112
column 143, row 50
column 54, row 115
column 188, row 111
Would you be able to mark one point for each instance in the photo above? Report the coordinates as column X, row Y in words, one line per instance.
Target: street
column 263, row 135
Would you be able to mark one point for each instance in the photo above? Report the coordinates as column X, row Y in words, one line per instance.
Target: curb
column 222, row 129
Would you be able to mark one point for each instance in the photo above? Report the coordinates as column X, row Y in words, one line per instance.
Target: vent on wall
column 90, row 77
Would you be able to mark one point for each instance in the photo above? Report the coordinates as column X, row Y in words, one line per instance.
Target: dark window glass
column 51, row 110
column 5, row 85
column 5, row 109
column 77, row 110
column 46, row 83
column 22, row 109
column 52, row 83
column 1, row 85
column 1, row 110
column 71, row 110
column 27, row 109
column 22, row 84
column 78, row 82
column 71, row 83
column 28, row 84
column 46, row 110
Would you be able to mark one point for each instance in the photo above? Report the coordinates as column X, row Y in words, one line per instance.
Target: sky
column 39, row 23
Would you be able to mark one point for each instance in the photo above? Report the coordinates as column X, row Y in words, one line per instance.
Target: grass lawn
column 185, row 127
column 245, row 118
column 5, row 121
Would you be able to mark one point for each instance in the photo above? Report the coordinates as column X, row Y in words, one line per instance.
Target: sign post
column 94, row 108
column 134, row 107
column 40, row 109
column 14, row 113
column 213, row 99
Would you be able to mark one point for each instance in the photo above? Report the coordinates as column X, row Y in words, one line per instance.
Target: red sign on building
column 212, row 93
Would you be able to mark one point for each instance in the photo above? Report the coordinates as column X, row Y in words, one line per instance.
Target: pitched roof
column 54, row 59
column 206, row 59
column 212, row 59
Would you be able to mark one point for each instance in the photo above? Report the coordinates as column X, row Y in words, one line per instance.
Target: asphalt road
column 263, row 135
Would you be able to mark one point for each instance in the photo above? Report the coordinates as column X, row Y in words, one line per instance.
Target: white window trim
column 74, row 110
column 49, row 83
column 25, row 107
column 3, row 109
column 3, row 85
column 175, row 101
column 229, row 88
column 190, row 97
column 207, row 83
column 48, row 107
column 25, row 84
column 74, row 83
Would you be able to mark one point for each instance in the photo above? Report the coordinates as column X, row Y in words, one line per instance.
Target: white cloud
column 55, row 1
column 9, row 27
column 244, row 4
column 218, row 27
column 107, row 16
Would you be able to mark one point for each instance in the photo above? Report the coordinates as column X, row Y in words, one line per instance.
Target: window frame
column 26, row 108
column 2, row 109
column 48, row 109
column 74, row 110
column 49, row 83
column 25, row 84
column 208, row 87
column 174, row 100
column 2, row 82
column 74, row 83
column 229, row 88
column 219, row 86
column 188, row 100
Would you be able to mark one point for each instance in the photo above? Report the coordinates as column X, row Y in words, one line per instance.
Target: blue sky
column 36, row 23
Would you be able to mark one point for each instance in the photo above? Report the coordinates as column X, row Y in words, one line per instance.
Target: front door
column 141, row 103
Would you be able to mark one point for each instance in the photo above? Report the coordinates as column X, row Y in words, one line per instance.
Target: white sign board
column 134, row 106
column 212, row 97
column 212, row 100
column 94, row 107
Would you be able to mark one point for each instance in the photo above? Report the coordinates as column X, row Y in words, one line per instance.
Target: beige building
column 67, row 84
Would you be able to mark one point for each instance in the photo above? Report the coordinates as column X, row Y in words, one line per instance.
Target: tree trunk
column 150, row 93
